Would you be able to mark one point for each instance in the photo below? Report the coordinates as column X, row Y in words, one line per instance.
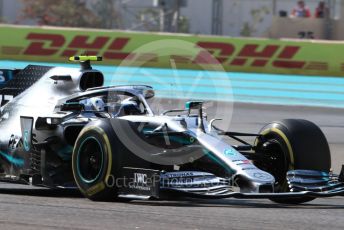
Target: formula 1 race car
column 61, row 128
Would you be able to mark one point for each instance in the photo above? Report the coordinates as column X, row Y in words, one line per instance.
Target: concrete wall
column 199, row 13
column 292, row 27
column 1, row 5
column 11, row 10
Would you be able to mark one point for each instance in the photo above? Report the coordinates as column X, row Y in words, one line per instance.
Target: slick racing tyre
column 96, row 161
column 289, row 145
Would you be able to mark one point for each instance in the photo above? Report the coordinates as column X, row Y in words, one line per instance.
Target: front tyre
column 289, row 145
column 95, row 162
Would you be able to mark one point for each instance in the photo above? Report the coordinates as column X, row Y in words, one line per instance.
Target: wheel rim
column 276, row 163
column 90, row 159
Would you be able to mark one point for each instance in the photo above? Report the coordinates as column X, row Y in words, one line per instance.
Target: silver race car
column 61, row 128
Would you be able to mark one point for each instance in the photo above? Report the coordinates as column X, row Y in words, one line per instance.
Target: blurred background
column 245, row 18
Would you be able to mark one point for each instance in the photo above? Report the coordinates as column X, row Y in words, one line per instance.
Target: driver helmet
column 97, row 104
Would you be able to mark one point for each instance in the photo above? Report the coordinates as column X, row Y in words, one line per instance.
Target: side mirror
column 193, row 105
column 149, row 93
column 197, row 105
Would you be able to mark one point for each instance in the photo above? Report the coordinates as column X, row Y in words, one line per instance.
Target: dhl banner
column 120, row 47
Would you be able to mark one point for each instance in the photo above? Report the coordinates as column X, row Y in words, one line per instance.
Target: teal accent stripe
column 15, row 161
column 223, row 86
column 218, row 161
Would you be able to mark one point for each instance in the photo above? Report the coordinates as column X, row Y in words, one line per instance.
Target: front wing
column 302, row 183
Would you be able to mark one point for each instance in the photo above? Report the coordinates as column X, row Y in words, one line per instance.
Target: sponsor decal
column 187, row 179
column 230, row 152
column 214, row 53
column 192, row 140
column 243, row 162
column 137, row 182
column 171, row 182
column 140, row 179
column 262, row 176
column 181, row 174
column 5, row 99
column 247, row 55
column 26, row 141
column 2, row 77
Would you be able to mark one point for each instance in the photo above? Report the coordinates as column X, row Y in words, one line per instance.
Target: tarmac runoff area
column 24, row 207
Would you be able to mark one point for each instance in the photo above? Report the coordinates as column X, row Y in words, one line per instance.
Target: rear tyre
column 289, row 145
column 96, row 162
